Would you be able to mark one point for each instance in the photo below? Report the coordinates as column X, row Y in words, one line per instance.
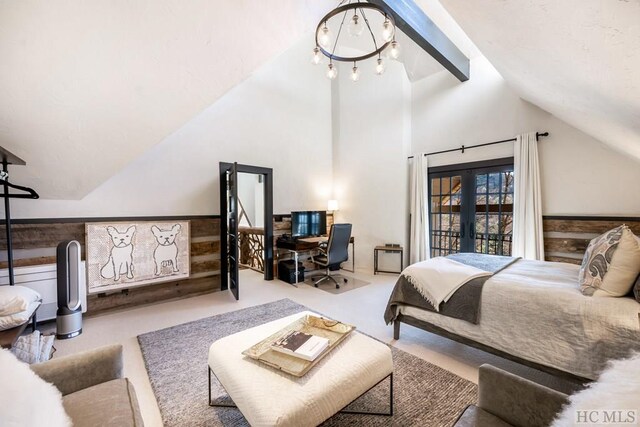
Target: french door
column 471, row 208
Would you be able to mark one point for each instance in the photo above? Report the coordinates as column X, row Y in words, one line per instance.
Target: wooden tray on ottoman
column 333, row 330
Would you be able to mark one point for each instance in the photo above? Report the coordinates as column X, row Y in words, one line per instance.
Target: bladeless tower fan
column 69, row 314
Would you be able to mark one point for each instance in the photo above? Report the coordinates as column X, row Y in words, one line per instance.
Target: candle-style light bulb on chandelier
column 356, row 27
column 355, row 73
column 323, row 36
column 332, row 71
column 360, row 21
column 317, row 56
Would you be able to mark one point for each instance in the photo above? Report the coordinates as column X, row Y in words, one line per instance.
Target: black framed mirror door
column 231, row 214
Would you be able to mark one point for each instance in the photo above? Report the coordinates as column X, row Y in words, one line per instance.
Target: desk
column 308, row 244
column 294, row 247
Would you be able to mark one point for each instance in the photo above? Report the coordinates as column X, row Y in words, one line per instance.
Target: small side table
column 395, row 249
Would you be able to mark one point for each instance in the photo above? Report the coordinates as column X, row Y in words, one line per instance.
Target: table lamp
column 332, row 205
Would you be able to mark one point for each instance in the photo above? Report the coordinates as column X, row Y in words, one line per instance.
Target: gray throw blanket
column 464, row 303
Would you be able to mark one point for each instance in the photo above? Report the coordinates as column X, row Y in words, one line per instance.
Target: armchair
column 505, row 399
column 93, row 388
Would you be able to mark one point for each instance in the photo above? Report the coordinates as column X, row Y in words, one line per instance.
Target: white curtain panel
column 419, row 227
column 528, row 237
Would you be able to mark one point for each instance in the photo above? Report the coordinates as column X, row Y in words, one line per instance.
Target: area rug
column 328, row 285
column 176, row 360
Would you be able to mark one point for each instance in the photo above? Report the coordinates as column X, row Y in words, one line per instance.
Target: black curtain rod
column 461, row 149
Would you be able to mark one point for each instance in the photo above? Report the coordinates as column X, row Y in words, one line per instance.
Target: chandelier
column 368, row 28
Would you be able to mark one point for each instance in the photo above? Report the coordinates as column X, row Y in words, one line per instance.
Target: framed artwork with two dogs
column 128, row 254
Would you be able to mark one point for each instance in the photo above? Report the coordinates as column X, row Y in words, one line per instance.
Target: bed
column 534, row 313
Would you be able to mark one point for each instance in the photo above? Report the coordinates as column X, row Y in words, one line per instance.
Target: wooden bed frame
column 455, row 337
column 566, row 239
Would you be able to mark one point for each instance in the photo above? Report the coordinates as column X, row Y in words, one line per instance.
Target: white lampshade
column 332, row 205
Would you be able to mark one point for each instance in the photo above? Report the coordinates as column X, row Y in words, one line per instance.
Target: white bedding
column 438, row 278
column 535, row 310
column 13, row 320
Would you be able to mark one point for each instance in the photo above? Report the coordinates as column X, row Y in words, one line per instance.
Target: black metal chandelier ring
column 345, row 8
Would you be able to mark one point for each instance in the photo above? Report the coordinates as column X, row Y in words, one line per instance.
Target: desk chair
column 335, row 253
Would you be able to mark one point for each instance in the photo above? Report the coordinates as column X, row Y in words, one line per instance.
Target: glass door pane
column 446, row 201
column 494, row 212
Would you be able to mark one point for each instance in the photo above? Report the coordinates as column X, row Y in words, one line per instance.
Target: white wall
column 251, row 195
column 89, row 86
column 580, row 176
column 247, row 196
column 277, row 118
column 372, row 117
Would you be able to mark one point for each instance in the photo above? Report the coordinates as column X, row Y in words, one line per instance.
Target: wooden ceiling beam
column 412, row 21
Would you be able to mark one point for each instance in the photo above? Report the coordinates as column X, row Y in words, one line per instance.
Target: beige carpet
column 176, row 361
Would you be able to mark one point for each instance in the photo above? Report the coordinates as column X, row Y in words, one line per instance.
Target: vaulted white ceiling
column 577, row 59
column 87, row 86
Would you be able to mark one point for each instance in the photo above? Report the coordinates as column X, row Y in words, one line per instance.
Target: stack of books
column 302, row 345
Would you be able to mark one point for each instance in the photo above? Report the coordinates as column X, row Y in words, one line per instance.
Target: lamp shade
column 332, row 205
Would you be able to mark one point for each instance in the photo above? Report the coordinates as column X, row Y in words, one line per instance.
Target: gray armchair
column 94, row 393
column 336, row 253
column 505, row 399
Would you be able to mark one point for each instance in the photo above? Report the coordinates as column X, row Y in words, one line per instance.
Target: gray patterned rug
column 176, row 360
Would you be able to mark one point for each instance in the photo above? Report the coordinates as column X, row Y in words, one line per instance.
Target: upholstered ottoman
column 268, row 397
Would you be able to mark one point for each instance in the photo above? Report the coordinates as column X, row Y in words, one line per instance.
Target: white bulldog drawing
column 166, row 253
column 120, row 259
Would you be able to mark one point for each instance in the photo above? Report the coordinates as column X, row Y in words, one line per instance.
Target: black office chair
column 336, row 253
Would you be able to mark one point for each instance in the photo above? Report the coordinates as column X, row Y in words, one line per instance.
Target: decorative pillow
column 8, row 322
column 27, row 399
column 617, row 389
column 611, row 264
column 14, row 299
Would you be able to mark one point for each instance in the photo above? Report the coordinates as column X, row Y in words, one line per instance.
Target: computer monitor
column 308, row 223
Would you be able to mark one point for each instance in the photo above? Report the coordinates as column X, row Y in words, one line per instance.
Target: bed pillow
column 14, row 299
column 13, row 320
column 611, row 264
column 28, row 400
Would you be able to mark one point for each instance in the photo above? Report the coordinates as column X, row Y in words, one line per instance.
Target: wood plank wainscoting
column 35, row 241
column 566, row 237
